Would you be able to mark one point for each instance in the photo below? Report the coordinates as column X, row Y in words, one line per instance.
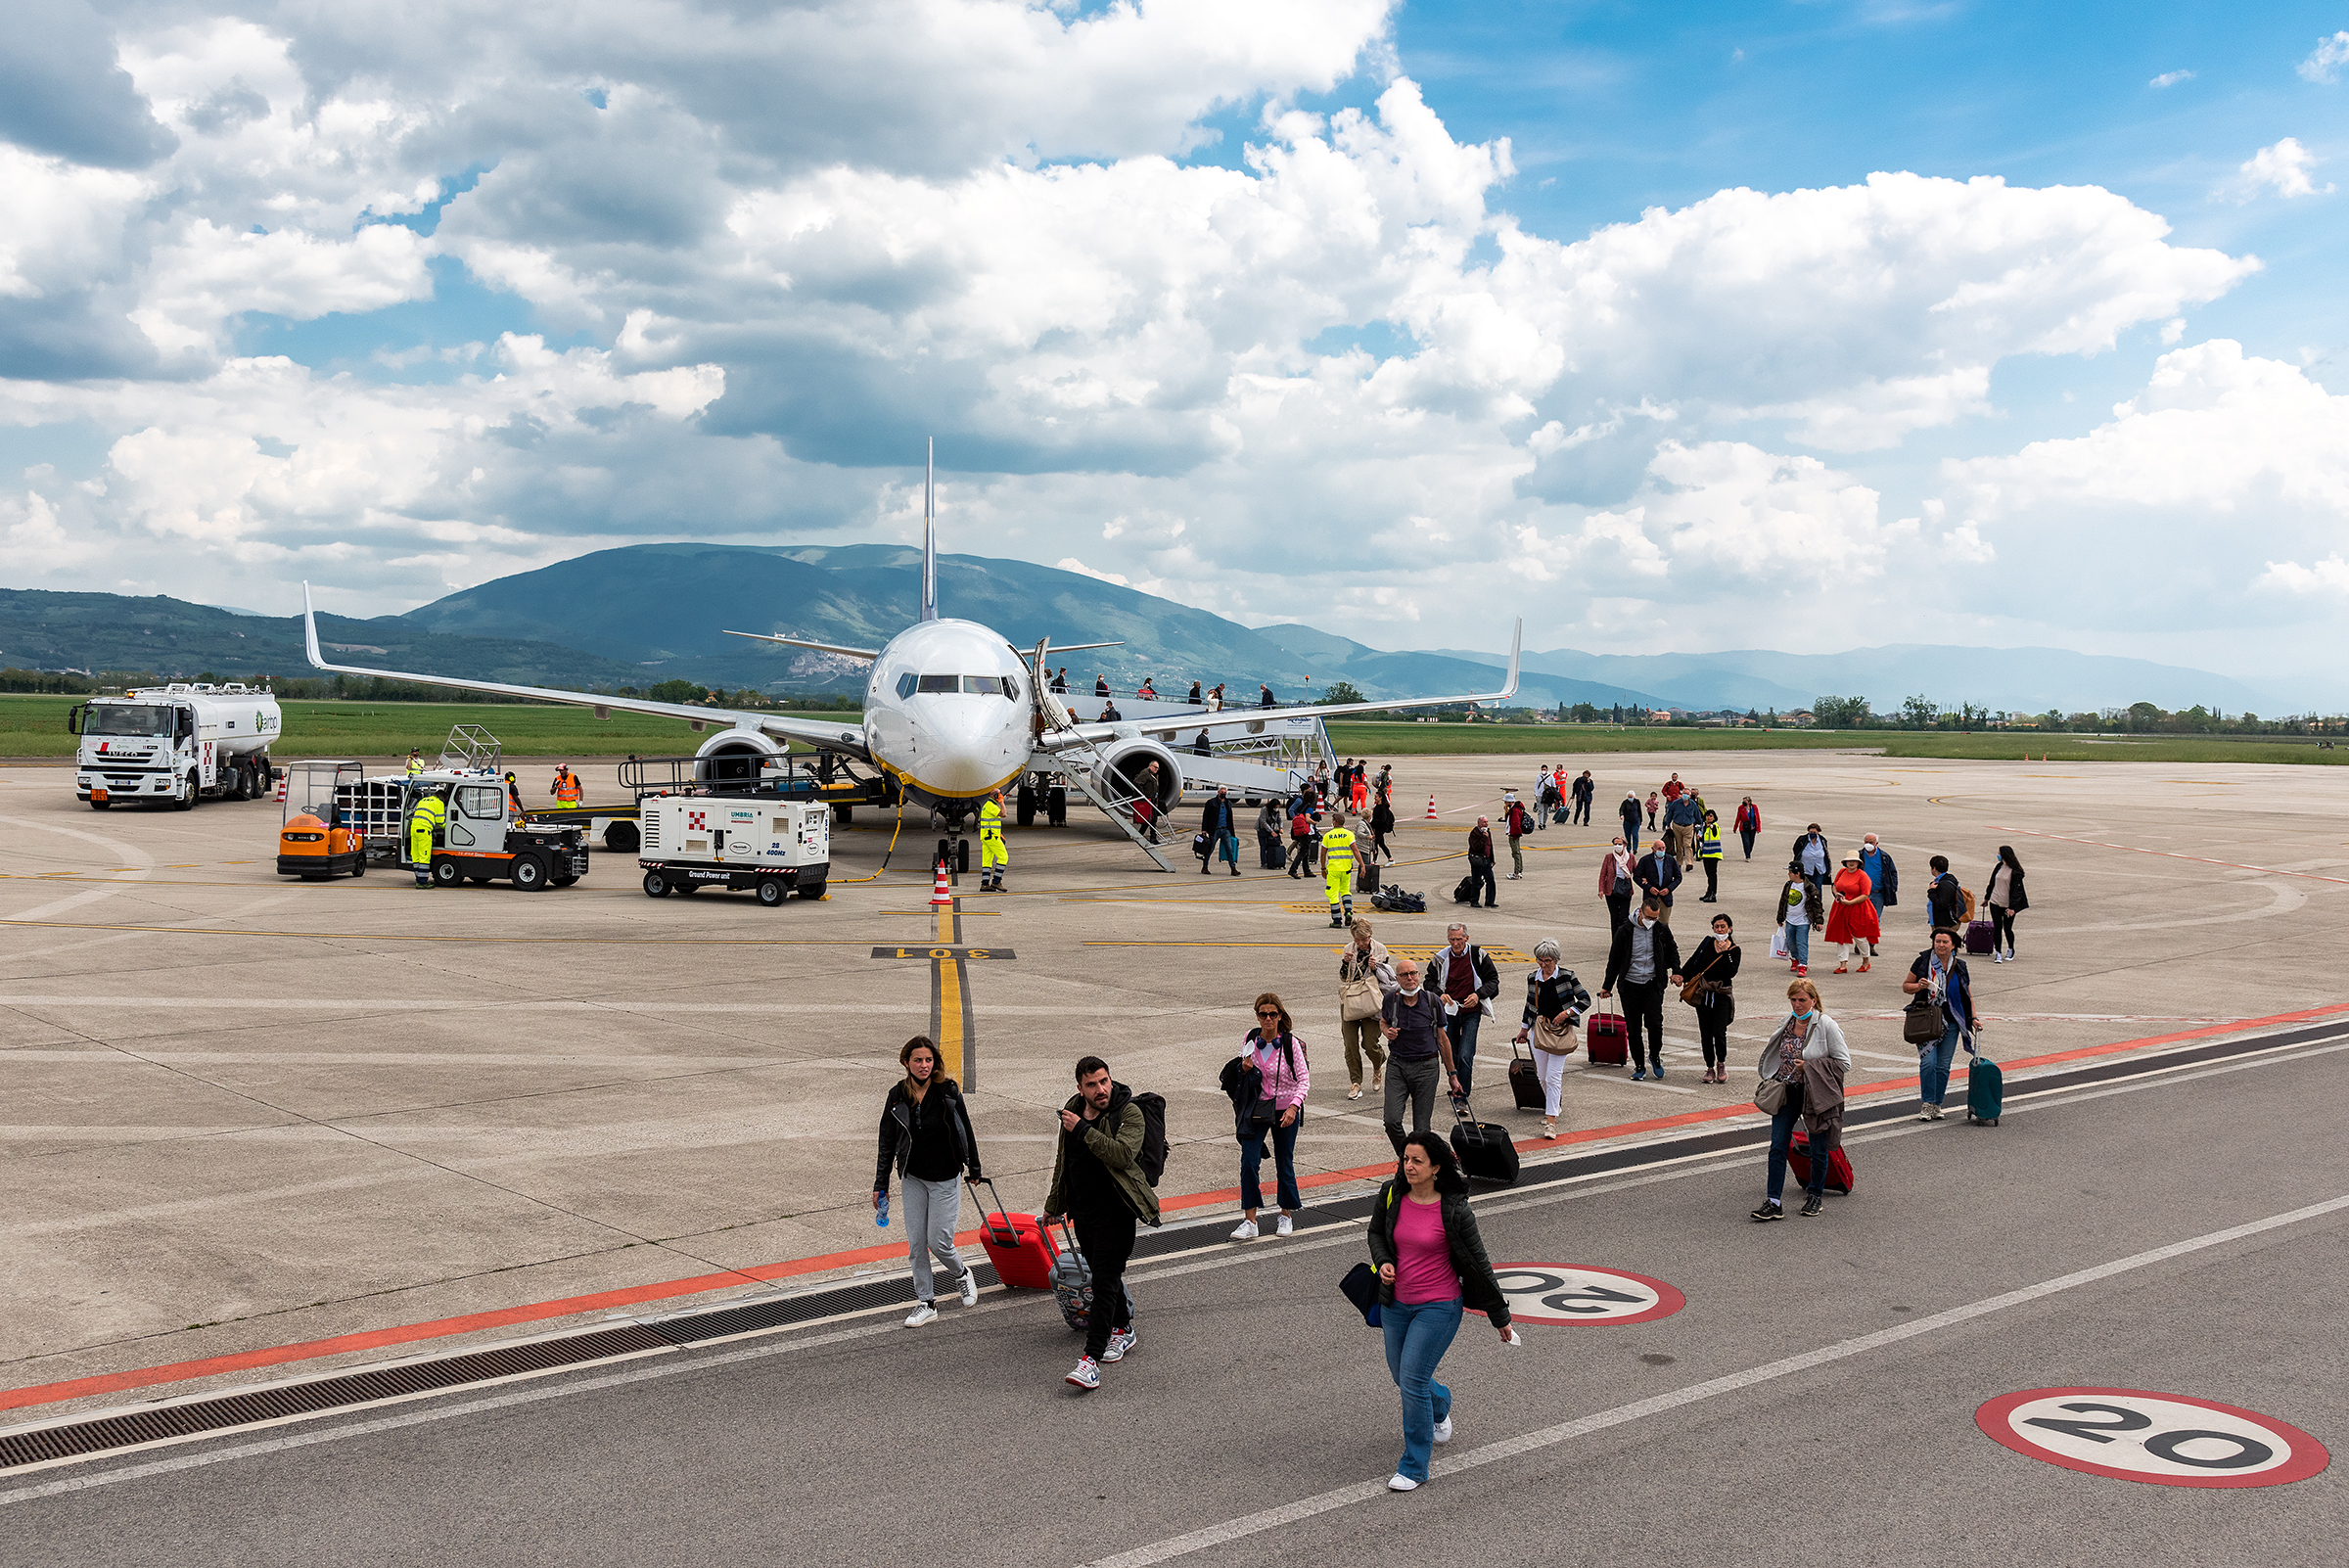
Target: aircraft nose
column 973, row 744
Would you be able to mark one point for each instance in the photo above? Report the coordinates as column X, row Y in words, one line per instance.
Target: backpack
column 1965, row 911
column 1301, row 826
column 1154, row 1136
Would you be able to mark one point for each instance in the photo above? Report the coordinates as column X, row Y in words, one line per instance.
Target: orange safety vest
column 566, row 788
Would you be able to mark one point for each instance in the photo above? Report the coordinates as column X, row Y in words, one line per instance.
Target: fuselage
column 946, row 712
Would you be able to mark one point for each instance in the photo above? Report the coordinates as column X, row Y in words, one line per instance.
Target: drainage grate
column 232, row 1410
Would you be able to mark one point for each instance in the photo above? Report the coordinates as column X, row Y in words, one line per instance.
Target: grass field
column 35, row 727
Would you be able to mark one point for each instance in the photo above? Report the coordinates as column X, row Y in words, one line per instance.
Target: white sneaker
column 923, row 1313
column 1398, row 1482
column 1246, row 1232
column 968, row 1286
column 1086, row 1373
column 1924, row 1113
column 1285, row 1225
column 1119, row 1341
column 1936, row 1112
column 1444, row 1430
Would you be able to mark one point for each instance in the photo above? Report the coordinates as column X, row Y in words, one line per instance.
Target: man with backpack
column 1104, row 1170
column 1302, row 837
column 1946, row 901
column 1585, row 789
column 1464, row 981
column 1519, row 823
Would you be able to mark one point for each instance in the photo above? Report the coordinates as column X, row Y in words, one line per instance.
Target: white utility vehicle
column 771, row 847
column 177, row 744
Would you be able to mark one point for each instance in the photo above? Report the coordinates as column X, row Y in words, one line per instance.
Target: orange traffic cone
column 281, row 789
column 940, row 892
column 1431, row 810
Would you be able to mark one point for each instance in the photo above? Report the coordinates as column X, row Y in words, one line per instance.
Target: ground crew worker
column 514, row 793
column 992, row 856
column 1337, row 869
column 423, row 822
column 566, row 789
column 1708, row 849
column 415, row 761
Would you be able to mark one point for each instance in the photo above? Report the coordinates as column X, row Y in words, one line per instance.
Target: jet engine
column 733, row 757
column 1130, row 762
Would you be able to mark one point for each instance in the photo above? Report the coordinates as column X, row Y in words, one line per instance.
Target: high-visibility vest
column 429, row 813
column 415, row 766
column 1708, row 843
column 566, row 788
column 1337, row 852
column 991, row 821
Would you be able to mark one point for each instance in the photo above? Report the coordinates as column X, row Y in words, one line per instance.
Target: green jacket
column 1479, row 1289
column 1120, row 1151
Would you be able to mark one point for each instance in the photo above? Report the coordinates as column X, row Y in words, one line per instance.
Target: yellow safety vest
column 1708, row 842
column 429, row 815
column 991, row 821
column 415, row 766
column 1337, row 852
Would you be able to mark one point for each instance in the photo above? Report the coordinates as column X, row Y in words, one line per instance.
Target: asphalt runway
column 1814, row 1400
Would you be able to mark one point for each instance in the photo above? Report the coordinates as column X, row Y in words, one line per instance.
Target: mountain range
column 643, row 614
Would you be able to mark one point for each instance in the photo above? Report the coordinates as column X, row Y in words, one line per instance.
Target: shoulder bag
column 1692, row 990
column 1360, row 997
column 1921, row 1023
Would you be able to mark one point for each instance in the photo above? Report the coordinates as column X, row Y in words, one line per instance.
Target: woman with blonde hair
column 1803, row 1068
column 1274, row 1077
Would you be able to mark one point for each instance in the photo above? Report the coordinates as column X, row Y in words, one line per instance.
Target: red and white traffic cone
column 940, row 892
column 1431, row 810
column 281, row 789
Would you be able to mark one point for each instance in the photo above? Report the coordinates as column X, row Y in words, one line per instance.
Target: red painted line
column 2171, row 854
column 667, row 1290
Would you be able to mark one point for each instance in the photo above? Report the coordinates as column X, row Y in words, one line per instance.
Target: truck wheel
column 184, row 800
column 529, row 873
column 445, row 874
column 811, row 889
column 621, row 838
column 770, row 891
column 359, row 867
column 655, row 886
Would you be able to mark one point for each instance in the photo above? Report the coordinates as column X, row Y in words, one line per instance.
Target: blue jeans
column 1798, row 943
column 1933, row 1065
column 1284, row 1164
column 1781, row 1135
column 1418, row 1336
column 1462, row 1027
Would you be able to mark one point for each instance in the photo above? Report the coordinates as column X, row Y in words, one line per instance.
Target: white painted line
column 1196, row 1540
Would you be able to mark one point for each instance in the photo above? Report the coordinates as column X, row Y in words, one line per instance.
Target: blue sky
column 1340, row 311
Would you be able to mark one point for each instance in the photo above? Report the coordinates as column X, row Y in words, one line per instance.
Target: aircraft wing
column 802, row 642
column 1191, row 724
column 847, row 736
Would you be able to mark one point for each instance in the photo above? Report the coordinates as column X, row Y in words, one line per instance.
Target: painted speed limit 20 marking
column 1576, row 1293
column 2171, row 1440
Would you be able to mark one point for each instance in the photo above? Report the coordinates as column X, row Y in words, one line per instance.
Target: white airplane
column 952, row 711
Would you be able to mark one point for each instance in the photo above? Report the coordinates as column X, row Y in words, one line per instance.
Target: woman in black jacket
column 1431, row 1266
column 1382, row 823
column 1710, row 970
column 2006, row 897
column 926, row 1137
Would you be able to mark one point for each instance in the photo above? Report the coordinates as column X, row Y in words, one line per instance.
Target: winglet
column 1517, row 640
column 309, row 631
column 930, row 532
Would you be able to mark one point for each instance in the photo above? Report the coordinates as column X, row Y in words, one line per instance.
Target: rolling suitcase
column 1268, row 854
column 1525, row 1081
column 1608, row 1038
column 1798, row 1161
column 1073, row 1283
column 1020, row 1248
column 1367, row 877
column 1465, row 892
column 1484, row 1148
column 1979, row 936
column 1985, row 1089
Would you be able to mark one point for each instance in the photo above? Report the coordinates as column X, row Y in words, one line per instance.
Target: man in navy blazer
column 1657, row 874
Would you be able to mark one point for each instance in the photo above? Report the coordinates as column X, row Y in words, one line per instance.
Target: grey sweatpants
column 931, row 1210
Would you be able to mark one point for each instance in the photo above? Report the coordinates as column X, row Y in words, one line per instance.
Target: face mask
column 1645, row 923
column 1410, row 986
column 1804, row 1015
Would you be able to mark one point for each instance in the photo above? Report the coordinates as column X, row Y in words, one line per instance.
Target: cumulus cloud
column 2324, row 62
column 63, row 93
column 2281, row 169
column 2171, row 78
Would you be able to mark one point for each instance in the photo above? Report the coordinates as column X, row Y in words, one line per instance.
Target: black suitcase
column 1465, row 893
column 1367, row 877
column 1525, row 1081
column 1484, row 1149
column 1268, row 854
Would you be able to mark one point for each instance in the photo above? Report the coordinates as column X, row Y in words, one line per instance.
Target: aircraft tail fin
column 930, row 533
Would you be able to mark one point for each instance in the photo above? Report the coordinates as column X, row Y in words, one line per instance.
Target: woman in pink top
column 1431, row 1266
column 1274, row 1076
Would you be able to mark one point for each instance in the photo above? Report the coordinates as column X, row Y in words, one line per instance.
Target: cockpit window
column 983, row 685
column 905, row 684
column 938, row 684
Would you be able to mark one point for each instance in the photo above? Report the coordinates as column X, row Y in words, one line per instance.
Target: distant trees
column 1841, row 712
column 1341, row 691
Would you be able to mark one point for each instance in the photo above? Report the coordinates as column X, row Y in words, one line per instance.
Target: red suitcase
column 1798, row 1161
column 1608, row 1038
column 1017, row 1244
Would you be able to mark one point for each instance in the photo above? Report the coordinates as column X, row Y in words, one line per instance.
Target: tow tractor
column 315, row 841
column 486, row 834
column 767, row 834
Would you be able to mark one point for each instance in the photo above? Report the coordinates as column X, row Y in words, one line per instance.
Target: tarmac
column 266, row 1129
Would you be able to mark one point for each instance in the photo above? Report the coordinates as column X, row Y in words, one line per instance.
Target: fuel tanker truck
column 175, row 744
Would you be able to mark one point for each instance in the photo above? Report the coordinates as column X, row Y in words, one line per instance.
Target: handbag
column 1692, row 990
column 1360, row 997
column 1360, row 1287
column 1921, row 1023
column 1770, row 1097
column 1558, row 1040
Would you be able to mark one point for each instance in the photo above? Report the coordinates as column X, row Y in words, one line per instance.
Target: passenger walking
column 1546, row 798
column 1642, row 958
column 1266, row 699
column 1462, row 975
column 1300, row 833
column 1337, row 871
column 1658, row 875
column 1749, row 823
column 1555, row 1004
column 1270, row 823
column 2005, row 900
column 1799, row 911
column 1654, row 802
column 1680, row 821
column 1417, row 1048
column 1708, row 854
column 1382, row 823
column 1100, row 684
column 1628, row 810
column 1275, row 1111
column 1097, row 1181
column 1712, row 970
column 1883, row 878
column 1585, row 789
column 1810, row 850
column 1431, row 1263
column 1518, row 821
column 1193, row 697
column 1480, row 864
column 1944, row 899
column 1851, row 918
column 1803, row 1069
column 1617, row 882
column 926, row 1139
column 1221, row 826
column 1942, row 975
column 1366, row 979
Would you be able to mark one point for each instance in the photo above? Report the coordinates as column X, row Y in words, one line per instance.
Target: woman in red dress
column 1851, row 918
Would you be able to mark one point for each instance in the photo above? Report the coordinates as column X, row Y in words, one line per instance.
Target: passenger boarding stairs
column 1085, row 765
